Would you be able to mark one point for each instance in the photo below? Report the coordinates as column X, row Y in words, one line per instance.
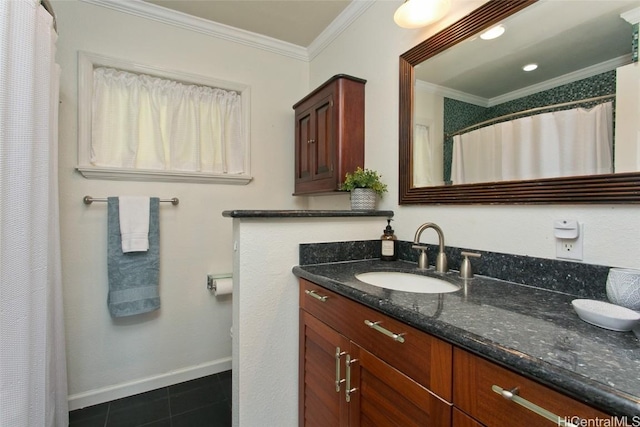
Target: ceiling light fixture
column 493, row 33
column 530, row 67
column 418, row 13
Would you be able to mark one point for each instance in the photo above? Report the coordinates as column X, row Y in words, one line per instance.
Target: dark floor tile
column 210, row 380
column 139, row 410
column 225, row 381
column 88, row 422
column 161, row 423
column 203, row 402
column 90, row 416
column 215, row 415
column 196, row 398
column 139, row 399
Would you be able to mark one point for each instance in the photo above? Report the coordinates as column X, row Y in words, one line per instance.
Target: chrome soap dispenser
column 389, row 242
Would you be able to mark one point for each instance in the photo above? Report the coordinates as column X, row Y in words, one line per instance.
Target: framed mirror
column 606, row 187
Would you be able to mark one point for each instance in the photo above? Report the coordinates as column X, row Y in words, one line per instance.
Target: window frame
column 87, row 62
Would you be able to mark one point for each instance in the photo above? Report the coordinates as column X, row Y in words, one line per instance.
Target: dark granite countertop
column 532, row 331
column 303, row 213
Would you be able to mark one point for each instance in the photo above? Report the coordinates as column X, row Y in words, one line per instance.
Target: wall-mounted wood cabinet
column 329, row 138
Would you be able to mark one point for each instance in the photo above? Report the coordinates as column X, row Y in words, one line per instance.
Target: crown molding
column 214, row 29
column 584, row 73
column 631, row 16
column 446, row 92
column 204, row 26
column 341, row 23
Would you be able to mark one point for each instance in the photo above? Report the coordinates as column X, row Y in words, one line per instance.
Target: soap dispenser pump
column 389, row 241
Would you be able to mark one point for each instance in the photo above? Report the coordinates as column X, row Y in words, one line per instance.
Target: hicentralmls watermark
column 600, row 422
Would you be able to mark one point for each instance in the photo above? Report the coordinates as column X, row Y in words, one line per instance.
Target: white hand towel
column 134, row 223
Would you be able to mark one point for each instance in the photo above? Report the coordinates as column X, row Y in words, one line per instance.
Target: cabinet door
column 324, row 142
column 382, row 396
column 322, row 367
column 304, row 135
column 315, row 142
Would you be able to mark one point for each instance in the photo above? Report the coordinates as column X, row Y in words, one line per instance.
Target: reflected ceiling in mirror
column 473, row 80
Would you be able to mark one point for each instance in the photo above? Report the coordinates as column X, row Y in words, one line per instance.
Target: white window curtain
column 562, row 143
column 146, row 122
column 33, row 376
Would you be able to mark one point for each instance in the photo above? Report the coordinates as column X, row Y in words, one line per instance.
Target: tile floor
column 204, row 402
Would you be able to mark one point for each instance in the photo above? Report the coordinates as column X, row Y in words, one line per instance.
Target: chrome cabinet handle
column 512, row 395
column 339, row 381
column 376, row 325
column 317, row 296
column 349, row 391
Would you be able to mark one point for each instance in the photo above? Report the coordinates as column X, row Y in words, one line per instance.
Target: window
column 140, row 123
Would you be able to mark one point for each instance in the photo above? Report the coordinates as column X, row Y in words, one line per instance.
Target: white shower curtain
column 33, row 377
column 562, row 143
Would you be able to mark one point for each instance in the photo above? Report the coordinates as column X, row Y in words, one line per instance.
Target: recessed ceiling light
column 530, row 67
column 493, row 33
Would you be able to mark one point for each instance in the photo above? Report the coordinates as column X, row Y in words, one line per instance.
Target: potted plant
column 365, row 187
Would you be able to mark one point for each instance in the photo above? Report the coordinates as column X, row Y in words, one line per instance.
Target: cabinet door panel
column 324, row 137
column 303, row 147
column 320, row 404
column 386, row 397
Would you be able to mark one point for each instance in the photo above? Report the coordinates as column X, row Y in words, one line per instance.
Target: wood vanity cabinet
column 473, row 379
column 329, row 134
column 352, row 374
column 361, row 367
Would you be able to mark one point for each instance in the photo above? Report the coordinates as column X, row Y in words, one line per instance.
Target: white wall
column 189, row 336
column 369, row 49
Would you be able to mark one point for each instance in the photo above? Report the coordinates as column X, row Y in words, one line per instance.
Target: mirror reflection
column 479, row 117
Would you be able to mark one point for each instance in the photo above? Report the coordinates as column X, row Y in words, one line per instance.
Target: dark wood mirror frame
column 607, row 188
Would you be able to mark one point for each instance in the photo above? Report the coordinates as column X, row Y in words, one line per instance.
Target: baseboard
column 106, row 394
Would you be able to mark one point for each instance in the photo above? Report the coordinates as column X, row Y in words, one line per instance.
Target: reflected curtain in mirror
column 563, row 143
column 427, row 157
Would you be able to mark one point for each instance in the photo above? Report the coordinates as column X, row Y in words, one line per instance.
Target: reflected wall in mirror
column 442, row 92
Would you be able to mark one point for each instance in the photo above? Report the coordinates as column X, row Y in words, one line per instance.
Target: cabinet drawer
column 420, row 356
column 474, row 377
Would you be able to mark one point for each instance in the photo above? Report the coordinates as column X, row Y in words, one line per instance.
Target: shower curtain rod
column 88, row 200
column 532, row 110
column 49, row 8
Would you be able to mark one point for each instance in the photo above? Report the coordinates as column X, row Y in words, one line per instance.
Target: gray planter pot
column 363, row 199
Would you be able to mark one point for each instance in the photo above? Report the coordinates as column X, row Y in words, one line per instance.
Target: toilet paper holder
column 211, row 280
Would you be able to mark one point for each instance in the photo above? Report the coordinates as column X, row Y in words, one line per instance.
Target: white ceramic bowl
column 606, row 315
column 623, row 287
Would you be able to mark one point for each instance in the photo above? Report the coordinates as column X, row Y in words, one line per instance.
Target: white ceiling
column 294, row 21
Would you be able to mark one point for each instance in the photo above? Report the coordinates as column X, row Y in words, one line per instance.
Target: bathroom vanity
column 368, row 353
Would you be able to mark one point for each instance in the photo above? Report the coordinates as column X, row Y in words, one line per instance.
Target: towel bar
column 88, row 200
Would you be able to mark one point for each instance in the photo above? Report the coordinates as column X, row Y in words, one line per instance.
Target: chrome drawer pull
column 512, row 395
column 339, row 381
column 377, row 327
column 314, row 294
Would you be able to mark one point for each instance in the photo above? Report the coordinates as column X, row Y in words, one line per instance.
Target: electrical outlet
column 570, row 248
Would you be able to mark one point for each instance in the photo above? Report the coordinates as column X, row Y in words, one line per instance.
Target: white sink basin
column 407, row 282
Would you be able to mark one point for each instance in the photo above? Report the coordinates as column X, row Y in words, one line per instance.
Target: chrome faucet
column 441, row 259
